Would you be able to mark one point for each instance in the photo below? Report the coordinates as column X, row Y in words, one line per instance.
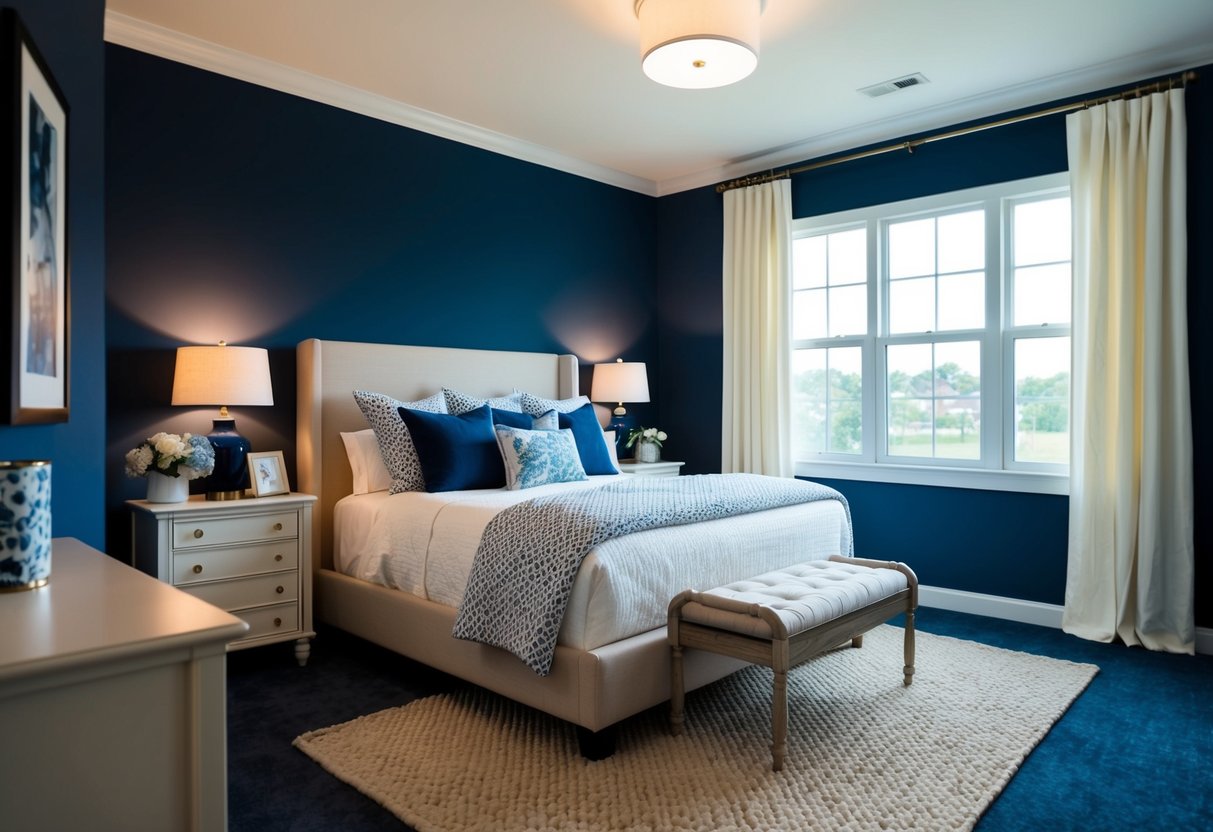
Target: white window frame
column 997, row 469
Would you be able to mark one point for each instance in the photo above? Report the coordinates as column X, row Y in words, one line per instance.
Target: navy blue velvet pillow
column 524, row 421
column 456, row 452
column 591, row 443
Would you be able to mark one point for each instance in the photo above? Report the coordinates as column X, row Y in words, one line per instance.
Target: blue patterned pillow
column 538, row 457
column 537, row 405
column 591, row 441
column 459, row 403
column 395, row 444
column 456, row 452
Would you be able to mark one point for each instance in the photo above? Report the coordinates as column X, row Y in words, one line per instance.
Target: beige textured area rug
column 864, row 752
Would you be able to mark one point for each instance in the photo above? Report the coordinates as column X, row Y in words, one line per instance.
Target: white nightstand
column 664, row 468
column 251, row 557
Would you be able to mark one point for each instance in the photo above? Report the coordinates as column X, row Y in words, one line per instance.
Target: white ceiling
column 558, row 82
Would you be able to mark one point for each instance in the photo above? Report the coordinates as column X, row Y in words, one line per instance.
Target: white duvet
column 425, row 543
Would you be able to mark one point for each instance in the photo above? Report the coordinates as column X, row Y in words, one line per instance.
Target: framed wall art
column 33, row 185
column 267, row 473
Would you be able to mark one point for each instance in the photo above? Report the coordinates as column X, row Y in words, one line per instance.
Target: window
column 931, row 339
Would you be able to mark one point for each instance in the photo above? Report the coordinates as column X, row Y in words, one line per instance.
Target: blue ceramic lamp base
column 230, row 477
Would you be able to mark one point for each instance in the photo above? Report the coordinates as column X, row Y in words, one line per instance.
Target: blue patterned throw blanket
column 524, row 568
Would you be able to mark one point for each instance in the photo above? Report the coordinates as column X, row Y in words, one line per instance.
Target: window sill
column 984, row 480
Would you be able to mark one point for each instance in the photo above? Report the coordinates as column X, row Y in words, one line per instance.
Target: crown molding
column 131, row 32
column 1129, row 70
column 140, row 35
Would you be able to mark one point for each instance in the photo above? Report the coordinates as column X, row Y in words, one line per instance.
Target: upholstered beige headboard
column 330, row 371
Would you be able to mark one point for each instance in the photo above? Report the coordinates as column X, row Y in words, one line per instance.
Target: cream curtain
column 1130, row 570
column 757, row 324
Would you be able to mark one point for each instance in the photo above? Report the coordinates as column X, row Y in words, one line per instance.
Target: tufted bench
column 784, row 617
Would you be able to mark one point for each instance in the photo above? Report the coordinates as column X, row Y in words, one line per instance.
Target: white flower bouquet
column 646, row 436
column 187, row 456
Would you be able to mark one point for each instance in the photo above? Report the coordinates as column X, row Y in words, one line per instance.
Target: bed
column 591, row 685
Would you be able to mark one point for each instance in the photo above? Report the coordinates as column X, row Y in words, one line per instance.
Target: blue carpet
column 1134, row 752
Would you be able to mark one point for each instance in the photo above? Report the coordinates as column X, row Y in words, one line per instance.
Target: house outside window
column 931, row 340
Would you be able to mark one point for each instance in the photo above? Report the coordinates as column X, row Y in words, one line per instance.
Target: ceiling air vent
column 886, row 87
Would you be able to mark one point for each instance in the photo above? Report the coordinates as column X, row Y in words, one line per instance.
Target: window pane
column 1042, row 295
column 912, row 305
column 846, row 399
column 849, row 257
column 1042, row 400
column 808, row 402
column 909, row 385
column 958, row 406
column 1042, row 231
column 912, row 248
column 809, row 262
column 848, row 310
column 962, row 301
column 808, row 314
column 962, row 242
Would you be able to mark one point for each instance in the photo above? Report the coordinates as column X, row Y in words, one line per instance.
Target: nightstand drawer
column 248, row 592
column 212, row 564
column 188, row 532
column 268, row 621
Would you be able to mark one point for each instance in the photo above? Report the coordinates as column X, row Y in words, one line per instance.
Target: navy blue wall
column 242, row 213
column 68, row 34
column 980, row 541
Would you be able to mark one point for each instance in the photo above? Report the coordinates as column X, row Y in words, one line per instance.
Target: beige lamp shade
column 623, row 381
column 222, row 375
column 698, row 44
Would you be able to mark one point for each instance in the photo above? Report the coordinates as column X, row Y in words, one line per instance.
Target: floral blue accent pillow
column 459, row 403
column 395, row 443
column 538, row 457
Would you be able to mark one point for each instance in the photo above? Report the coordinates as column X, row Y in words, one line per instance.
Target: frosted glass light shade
column 623, row 381
column 222, row 376
column 698, row 44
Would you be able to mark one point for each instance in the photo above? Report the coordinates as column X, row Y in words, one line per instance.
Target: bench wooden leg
column 909, row 668
column 676, row 690
column 779, row 720
column 857, row 641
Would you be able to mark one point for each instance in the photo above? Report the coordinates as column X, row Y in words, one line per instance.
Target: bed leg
column 596, row 745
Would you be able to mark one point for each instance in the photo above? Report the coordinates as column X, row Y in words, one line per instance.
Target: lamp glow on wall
column 623, row 381
column 223, row 376
column 698, row 44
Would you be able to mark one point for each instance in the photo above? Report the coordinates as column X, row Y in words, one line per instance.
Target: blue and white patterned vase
column 25, row 524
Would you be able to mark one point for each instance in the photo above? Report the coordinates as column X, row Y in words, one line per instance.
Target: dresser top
column 199, row 503
column 95, row 609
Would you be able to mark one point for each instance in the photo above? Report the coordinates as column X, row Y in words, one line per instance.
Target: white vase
column 164, row 489
column 648, row 452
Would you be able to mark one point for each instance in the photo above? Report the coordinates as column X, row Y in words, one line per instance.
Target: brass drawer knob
column 277, row 557
column 197, row 532
column 277, row 622
column 277, row 527
column 280, row 590
column 197, row 569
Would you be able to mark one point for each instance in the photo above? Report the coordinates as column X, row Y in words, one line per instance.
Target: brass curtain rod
column 908, row 146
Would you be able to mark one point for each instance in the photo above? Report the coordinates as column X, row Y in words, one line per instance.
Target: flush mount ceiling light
column 698, row 44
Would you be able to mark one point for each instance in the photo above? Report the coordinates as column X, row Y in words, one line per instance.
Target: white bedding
column 425, row 543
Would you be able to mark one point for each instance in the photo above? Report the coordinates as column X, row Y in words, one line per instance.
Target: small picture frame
column 267, row 473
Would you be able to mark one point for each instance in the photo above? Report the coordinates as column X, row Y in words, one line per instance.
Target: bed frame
column 592, row 689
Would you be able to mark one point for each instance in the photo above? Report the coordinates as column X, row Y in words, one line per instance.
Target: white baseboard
column 1015, row 609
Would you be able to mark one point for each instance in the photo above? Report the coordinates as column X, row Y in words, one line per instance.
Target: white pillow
column 609, row 436
column 537, row 405
column 366, row 462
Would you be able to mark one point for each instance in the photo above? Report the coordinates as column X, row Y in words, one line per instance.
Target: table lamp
column 623, row 381
column 224, row 376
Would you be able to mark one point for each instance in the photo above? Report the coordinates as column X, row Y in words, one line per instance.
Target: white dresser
column 251, row 557
column 113, row 696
